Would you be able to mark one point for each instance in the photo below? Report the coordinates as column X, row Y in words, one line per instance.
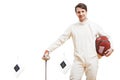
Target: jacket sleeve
column 101, row 32
column 61, row 40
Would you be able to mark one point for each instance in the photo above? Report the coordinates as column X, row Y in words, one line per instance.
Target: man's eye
column 82, row 11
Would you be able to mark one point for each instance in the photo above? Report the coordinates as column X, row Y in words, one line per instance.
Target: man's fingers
column 45, row 57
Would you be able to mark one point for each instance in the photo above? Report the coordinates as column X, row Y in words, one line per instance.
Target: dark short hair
column 81, row 5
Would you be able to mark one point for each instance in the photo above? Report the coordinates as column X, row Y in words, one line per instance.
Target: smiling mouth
column 81, row 17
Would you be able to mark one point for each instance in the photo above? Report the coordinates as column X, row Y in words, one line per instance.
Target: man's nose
column 81, row 13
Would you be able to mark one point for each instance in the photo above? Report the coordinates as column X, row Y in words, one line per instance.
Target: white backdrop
column 28, row 27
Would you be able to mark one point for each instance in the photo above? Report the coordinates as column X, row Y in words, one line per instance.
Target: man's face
column 81, row 13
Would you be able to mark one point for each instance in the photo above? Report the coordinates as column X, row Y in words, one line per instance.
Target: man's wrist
column 46, row 51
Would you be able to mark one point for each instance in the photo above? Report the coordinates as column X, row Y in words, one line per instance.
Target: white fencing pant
column 90, row 67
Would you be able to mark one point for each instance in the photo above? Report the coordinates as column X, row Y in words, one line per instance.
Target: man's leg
column 77, row 71
column 91, row 69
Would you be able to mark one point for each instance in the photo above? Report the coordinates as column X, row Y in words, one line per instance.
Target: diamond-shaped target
column 63, row 64
column 16, row 68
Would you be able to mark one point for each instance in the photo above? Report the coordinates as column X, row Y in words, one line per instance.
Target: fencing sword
column 45, row 69
column 47, row 58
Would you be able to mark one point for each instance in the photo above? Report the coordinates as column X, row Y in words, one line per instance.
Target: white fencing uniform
column 85, row 57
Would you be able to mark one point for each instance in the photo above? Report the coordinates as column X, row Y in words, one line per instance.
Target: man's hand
column 108, row 52
column 46, row 55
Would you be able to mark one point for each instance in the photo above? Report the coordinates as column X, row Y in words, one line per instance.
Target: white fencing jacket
column 83, row 35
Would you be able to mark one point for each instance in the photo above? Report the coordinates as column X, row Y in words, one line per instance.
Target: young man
column 83, row 34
